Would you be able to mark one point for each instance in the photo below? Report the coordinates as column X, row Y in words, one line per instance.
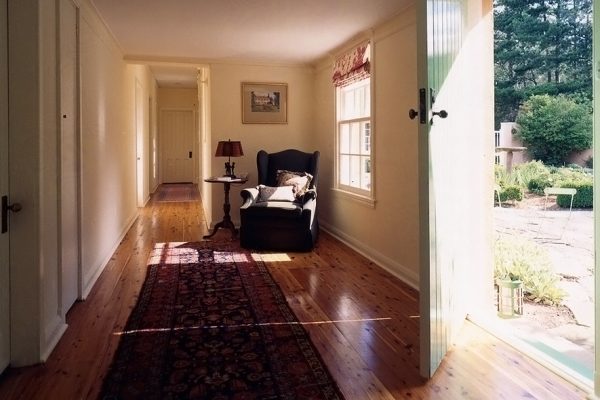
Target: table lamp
column 229, row 149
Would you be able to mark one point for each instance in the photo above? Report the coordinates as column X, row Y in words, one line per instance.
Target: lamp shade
column 229, row 149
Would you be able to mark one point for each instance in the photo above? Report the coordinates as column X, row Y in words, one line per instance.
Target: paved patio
column 569, row 240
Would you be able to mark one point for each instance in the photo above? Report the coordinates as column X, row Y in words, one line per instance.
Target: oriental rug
column 177, row 192
column 213, row 324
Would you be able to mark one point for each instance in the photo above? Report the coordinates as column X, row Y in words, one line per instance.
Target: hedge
column 584, row 198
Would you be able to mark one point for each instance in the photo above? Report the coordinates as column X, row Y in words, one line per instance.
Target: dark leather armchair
column 281, row 225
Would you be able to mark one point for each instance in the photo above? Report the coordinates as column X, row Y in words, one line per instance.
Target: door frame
column 5, row 342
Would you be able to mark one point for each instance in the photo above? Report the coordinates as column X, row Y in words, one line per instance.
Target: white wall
column 226, row 123
column 388, row 231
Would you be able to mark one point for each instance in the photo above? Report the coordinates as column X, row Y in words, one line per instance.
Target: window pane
column 355, row 171
column 345, row 170
column 355, row 138
column 347, row 104
column 366, row 173
column 344, row 138
column 366, row 138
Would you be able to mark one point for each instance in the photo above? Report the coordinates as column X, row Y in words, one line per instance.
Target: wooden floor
column 364, row 322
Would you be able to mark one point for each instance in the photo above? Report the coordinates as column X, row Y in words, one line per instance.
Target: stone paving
column 569, row 240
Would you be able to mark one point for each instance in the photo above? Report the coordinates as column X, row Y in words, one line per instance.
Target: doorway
column 544, row 241
column 177, row 145
column 4, row 235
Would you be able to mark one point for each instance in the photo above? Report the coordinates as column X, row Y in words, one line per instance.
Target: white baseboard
column 406, row 275
column 85, row 291
column 53, row 332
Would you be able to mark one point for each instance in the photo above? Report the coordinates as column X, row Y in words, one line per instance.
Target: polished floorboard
column 363, row 321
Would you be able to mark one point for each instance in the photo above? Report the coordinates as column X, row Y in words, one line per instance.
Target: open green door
column 596, row 146
column 455, row 75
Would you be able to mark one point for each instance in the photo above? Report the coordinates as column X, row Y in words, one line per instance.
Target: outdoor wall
column 387, row 232
column 508, row 138
column 226, row 123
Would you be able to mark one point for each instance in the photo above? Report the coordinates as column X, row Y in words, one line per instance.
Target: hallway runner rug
column 177, row 192
column 213, row 324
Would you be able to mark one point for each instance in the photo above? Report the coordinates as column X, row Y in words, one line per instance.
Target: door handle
column 15, row 207
column 441, row 113
column 412, row 113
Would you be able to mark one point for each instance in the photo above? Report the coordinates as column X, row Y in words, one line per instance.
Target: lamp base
column 229, row 167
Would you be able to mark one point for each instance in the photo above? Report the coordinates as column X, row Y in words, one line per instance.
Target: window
column 354, row 128
column 354, row 137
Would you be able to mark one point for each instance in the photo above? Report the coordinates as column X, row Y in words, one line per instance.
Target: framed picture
column 264, row 103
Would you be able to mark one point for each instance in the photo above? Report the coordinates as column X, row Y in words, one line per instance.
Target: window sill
column 357, row 198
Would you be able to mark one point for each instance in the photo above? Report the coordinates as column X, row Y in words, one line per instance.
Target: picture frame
column 264, row 103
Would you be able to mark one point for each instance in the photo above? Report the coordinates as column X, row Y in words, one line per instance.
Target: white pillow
column 279, row 193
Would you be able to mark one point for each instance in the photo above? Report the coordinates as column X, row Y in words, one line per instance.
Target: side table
column 226, row 222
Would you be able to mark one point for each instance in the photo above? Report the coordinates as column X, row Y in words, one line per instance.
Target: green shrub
column 526, row 261
column 524, row 173
column 511, row 192
column 537, row 185
column 584, row 198
column 553, row 126
column 589, row 163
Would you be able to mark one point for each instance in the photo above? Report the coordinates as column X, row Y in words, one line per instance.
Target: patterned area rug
column 214, row 325
column 177, row 192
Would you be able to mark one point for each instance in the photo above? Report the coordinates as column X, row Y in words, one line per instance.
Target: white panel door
column 4, row 237
column 139, row 145
column 177, row 144
column 69, row 157
column 452, row 160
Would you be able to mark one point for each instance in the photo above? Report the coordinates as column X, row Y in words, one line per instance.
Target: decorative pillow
column 300, row 181
column 279, row 193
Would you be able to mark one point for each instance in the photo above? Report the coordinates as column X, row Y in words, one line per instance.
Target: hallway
column 363, row 321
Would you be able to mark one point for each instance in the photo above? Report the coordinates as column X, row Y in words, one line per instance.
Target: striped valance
column 352, row 66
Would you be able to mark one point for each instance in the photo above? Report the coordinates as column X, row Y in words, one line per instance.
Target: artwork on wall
column 264, row 103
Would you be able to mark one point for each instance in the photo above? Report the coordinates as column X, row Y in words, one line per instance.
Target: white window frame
column 366, row 196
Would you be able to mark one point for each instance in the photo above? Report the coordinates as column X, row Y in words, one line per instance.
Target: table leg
column 226, row 222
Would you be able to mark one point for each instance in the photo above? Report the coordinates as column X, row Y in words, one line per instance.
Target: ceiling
column 266, row 31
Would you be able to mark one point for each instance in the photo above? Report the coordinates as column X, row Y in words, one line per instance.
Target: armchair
column 270, row 218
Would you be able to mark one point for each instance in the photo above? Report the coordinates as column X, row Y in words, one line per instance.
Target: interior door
column 69, row 157
column 177, row 143
column 454, row 63
column 4, row 236
column 139, row 144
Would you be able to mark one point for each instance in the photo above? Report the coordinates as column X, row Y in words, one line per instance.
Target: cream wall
column 388, row 231
column 108, row 144
column 226, row 123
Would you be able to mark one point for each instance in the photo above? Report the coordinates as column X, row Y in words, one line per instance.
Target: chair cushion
column 279, row 193
column 300, row 181
column 274, row 209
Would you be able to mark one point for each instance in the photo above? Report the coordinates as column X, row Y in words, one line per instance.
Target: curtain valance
column 352, row 66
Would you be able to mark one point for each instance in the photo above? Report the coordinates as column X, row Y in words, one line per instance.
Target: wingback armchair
column 281, row 212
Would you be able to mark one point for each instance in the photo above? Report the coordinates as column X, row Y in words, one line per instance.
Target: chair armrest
column 249, row 195
column 310, row 194
column 309, row 210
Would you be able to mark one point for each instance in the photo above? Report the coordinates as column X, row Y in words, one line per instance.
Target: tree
column 541, row 47
column 551, row 127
